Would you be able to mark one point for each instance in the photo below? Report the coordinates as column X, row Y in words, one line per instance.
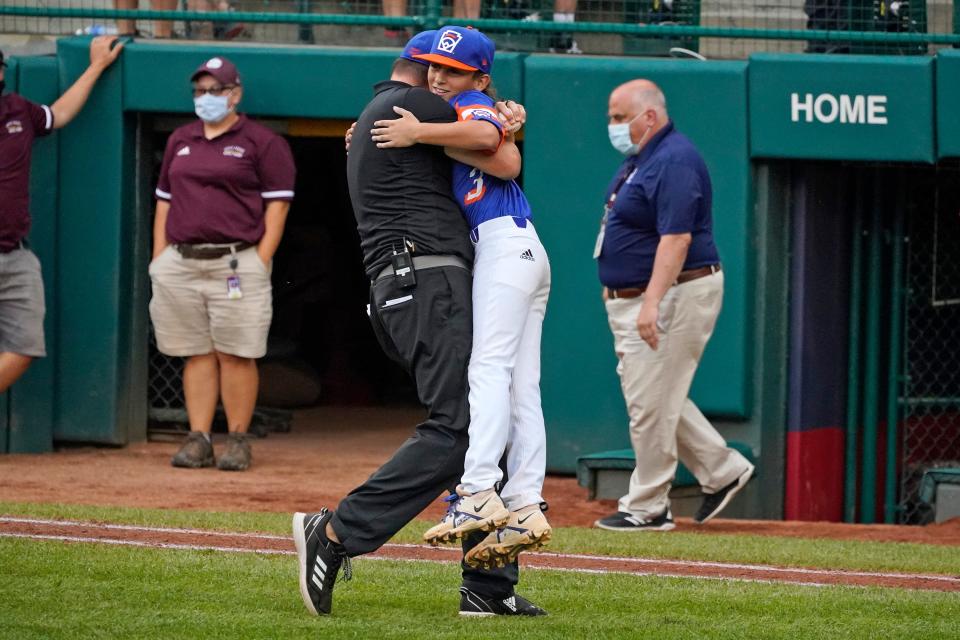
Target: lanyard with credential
column 625, row 177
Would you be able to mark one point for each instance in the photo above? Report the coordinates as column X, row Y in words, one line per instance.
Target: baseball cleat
column 524, row 531
column 318, row 560
column 714, row 503
column 623, row 521
column 473, row 604
column 468, row 513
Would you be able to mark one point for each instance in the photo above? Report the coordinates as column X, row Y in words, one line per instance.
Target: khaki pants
column 193, row 315
column 664, row 424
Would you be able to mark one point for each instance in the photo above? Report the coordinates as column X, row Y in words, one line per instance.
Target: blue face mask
column 212, row 109
column 620, row 137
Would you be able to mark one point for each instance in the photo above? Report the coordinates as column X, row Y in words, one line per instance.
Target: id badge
column 603, row 229
column 233, row 287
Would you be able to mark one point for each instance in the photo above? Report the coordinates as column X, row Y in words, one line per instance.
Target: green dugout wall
column 100, row 277
column 92, row 223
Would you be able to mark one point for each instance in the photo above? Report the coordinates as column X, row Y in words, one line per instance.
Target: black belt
column 21, row 244
column 210, row 251
column 427, row 262
column 683, row 276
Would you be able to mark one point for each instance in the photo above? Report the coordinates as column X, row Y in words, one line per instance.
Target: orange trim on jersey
column 482, row 107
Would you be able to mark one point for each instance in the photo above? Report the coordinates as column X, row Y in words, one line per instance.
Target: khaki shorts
column 192, row 314
column 21, row 304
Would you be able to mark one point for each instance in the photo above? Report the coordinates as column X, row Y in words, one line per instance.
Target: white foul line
column 453, row 551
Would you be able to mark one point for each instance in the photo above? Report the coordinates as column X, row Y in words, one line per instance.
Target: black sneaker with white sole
column 623, row 521
column 474, row 604
column 713, row 503
column 318, row 559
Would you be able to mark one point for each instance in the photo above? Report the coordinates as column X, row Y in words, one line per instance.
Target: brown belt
column 683, row 276
column 209, row 252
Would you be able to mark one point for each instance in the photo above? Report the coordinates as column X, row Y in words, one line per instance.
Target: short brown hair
column 408, row 67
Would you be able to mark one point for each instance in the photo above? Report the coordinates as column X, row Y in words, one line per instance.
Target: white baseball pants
column 511, row 284
column 664, row 423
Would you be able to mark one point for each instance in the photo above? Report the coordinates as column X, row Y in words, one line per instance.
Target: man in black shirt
column 407, row 216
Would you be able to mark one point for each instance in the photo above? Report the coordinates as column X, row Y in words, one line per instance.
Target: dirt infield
column 329, row 451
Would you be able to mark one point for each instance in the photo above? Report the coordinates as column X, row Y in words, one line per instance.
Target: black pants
column 428, row 329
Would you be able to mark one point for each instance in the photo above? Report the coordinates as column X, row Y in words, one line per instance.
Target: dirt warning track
column 197, row 539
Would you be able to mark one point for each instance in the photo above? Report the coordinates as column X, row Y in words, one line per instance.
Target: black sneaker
column 473, row 604
column 622, row 521
column 713, row 503
column 318, row 559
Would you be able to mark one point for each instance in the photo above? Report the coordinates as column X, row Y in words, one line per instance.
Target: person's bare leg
column 163, row 28
column 125, row 27
column 471, row 9
column 395, row 7
column 201, row 390
column 239, row 382
column 201, row 30
column 12, row 366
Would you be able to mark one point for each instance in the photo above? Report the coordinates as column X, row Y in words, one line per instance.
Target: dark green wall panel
column 568, row 162
column 304, row 82
column 95, row 249
column 32, row 398
column 948, row 99
column 817, row 107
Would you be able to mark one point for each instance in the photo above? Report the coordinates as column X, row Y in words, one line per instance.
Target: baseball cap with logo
column 223, row 71
column 461, row 48
column 419, row 44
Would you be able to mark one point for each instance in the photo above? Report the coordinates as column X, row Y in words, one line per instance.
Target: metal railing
column 713, row 28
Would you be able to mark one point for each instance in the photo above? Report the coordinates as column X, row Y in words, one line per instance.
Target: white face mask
column 212, row 109
column 620, row 137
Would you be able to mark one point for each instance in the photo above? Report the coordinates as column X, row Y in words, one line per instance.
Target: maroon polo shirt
column 20, row 122
column 218, row 188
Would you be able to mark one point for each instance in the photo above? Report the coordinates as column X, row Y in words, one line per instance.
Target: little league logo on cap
column 417, row 45
column 224, row 71
column 449, row 40
column 461, row 48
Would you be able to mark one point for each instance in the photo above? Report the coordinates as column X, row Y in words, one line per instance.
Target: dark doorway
column 321, row 349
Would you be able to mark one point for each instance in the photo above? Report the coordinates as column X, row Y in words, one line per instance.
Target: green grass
column 59, row 590
column 798, row 552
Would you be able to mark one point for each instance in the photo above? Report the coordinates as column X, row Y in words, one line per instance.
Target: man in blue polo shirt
column 663, row 287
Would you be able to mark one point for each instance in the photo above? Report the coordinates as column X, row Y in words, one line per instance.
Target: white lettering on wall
column 828, row 108
column 876, row 109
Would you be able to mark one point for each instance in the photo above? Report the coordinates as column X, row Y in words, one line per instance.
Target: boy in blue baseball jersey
column 511, row 284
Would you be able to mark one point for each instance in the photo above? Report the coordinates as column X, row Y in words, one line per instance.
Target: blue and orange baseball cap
column 417, row 45
column 461, row 48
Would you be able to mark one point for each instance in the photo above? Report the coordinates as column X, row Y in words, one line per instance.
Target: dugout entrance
column 874, row 316
column 321, row 349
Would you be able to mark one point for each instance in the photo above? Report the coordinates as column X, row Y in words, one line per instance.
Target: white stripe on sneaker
column 317, row 581
column 322, row 565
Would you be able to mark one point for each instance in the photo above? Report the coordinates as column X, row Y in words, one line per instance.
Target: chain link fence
column 712, row 28
column 930, row 433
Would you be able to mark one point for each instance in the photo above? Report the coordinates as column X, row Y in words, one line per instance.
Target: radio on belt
column 403, row 269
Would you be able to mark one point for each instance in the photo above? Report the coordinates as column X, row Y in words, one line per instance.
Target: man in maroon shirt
column 21, row 287
column 224, row 190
